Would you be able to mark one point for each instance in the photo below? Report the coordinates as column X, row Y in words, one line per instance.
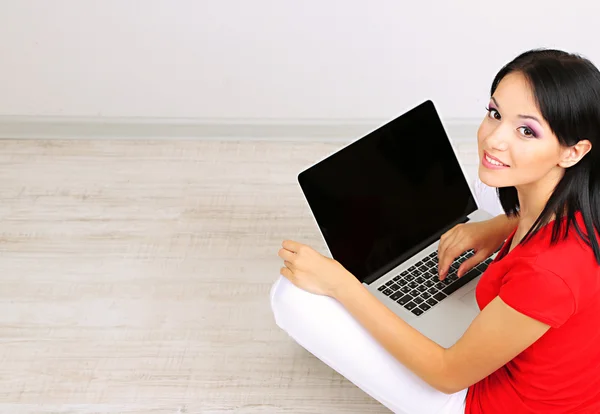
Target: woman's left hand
column 311, row 271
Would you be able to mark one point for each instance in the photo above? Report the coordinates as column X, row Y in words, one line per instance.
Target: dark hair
column 567, row 90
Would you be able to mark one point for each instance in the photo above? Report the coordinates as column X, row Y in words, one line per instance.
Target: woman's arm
column 497, row 335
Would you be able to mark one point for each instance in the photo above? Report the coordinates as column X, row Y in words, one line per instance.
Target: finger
column 451, row 255
column 446, row 241
column 291, row 245
column 288, row 264
column 471, row 263
column 449, row 252
column 285, row 272
column 286, row 254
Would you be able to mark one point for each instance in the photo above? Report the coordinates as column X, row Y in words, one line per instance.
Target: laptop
column 383, row 202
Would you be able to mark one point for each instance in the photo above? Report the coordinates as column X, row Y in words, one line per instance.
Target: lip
column 489, row 165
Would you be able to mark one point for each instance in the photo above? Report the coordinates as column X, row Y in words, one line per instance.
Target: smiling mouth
column 494, row 162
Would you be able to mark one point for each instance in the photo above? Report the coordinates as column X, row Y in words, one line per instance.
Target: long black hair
column 567, row 90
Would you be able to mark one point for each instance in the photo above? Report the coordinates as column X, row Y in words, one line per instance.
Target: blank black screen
column 383, row 198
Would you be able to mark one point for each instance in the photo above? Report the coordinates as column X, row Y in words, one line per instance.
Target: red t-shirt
column 559, row 286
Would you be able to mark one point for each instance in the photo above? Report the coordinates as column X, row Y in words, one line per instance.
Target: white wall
column 275, row 59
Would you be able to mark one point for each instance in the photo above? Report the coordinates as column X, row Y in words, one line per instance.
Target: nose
column 497, row 139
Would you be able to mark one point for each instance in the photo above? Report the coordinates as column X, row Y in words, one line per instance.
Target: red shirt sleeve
column 538, row 293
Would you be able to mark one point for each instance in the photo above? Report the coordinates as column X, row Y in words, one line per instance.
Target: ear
column 573, row 154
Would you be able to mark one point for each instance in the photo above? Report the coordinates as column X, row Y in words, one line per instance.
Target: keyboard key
column 390, row 283
column 404, row 289
column 432, row 291
column 404, row 299
column 439, row 296
column 431, row 302
column 414, row 293
column 440, row 285
column 419, row 263
column 397, row 278
column 381, row 288
column 402, row 282
column 421, row 288
column 434, row 254
column 394, row 287
column 417, row 273
column 396, row 295
column 410, row 305
column 429, row 283
column 481, row 267
column 413, row 285
column 388, row 292
column 422, row 268
column 409, row 278
column 425, row 295
column 417, row 311
column 411, row 269
column 472, row 274
column 418, row 300
column 420, row 279
column 405, row 273
column 434, row 260
column 424, row 306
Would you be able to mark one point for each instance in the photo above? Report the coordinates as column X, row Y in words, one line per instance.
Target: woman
column 535, row 346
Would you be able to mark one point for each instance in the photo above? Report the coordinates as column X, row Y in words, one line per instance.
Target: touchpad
column 469, row 299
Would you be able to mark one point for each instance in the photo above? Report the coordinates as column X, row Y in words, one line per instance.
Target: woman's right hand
column 484, row 237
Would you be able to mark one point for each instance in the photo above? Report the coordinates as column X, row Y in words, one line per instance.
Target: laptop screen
column 388, row 195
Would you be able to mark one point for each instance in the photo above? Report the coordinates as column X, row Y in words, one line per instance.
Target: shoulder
column 570, row 258
column 538, row 292
column 573, row 261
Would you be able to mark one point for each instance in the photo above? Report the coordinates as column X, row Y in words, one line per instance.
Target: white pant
column 324, row 327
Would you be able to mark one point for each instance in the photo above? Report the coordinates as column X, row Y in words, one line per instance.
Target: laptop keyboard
column 418, row 289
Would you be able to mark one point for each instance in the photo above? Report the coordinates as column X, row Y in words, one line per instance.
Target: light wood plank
column 134, row 278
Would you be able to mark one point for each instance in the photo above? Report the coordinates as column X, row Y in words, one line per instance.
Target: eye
column 526, row 131
column 493, row 113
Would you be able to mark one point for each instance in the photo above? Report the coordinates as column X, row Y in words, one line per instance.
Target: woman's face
column 514, row 133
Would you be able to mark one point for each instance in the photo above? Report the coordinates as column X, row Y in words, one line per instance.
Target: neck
column 533, row 197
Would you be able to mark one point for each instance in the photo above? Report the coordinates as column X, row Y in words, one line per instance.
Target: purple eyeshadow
column 535, row 130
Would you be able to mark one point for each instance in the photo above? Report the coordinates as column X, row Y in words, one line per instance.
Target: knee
column 281, row 301
column 274, row 296
column 294, row 308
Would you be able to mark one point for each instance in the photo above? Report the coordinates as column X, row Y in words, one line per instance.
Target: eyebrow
column 520, row 116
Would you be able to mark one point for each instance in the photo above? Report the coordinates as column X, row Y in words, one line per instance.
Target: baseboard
column 57, row 127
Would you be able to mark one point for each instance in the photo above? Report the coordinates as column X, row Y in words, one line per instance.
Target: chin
column 490, row 179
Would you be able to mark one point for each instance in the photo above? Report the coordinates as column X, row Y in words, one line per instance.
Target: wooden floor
column 134, row 278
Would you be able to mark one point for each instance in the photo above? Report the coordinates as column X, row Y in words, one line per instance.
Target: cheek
column 532, row 160
column 483, row 131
